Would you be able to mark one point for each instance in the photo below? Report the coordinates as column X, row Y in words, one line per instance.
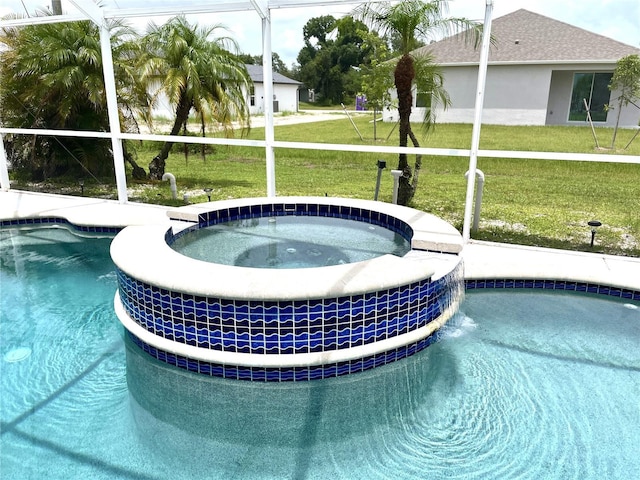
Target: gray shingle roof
column 527, row 37
column 255, row 73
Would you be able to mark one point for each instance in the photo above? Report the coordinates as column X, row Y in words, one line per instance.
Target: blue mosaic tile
column 59, row 221
column 564, row 285
column 354, row 213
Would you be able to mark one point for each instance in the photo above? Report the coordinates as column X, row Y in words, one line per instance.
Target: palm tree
column 413, row 21
column 196, row 73
column 52, row 78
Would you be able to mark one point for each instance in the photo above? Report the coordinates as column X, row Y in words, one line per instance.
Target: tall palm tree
column 52, row 77
column 197, row 73
column 413, row 21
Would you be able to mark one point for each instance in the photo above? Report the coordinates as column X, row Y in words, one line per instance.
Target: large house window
column 594, row 88
column 252, row 96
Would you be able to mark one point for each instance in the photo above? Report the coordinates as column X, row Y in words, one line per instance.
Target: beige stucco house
column 539, row 72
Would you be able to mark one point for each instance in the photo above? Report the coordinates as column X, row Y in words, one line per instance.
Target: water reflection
column 290, row 414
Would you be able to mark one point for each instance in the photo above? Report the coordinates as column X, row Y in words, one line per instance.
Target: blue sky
column 617, row 19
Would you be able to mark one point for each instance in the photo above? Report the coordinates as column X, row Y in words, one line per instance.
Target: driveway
column 303, row 116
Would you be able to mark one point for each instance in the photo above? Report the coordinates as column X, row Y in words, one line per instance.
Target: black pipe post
column 381, row 166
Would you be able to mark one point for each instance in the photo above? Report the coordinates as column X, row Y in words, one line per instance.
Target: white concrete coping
column 485, row 260
column 482, row 259
column 429, row 232
column 82, row 211
column 142, row 253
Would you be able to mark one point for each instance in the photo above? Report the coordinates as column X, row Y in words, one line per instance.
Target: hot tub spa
column 331, row 314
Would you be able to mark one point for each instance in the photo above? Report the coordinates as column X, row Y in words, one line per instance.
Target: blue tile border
column 49, row 221
column 346, row 212
column 563, row 285
column 303, row 373
column 287, row 326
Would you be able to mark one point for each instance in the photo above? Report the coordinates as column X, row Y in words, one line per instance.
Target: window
column 252, row 96
column 594, row 88
column 423, row 100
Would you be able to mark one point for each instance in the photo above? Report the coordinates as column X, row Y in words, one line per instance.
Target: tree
column 52, row 78
column 377, row 76
column 314, row 59
column 626, row 78
column 412, row 21
column 328, row 65
column 319, row 28
column 396, row 42
column 197, row 73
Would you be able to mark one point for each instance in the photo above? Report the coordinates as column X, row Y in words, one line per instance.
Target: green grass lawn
column 530, row 202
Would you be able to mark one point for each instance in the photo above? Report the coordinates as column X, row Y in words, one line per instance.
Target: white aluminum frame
column 98, row 15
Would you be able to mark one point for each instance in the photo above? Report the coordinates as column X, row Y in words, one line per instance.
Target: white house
column 285, row 95
column 285, row 92
column 540, row 71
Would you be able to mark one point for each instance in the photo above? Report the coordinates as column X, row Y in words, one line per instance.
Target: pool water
column 522, row 384
column 291, row 241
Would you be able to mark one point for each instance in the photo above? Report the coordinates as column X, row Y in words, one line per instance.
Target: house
column 285, row 92
column 540, row 72
column 285, row 95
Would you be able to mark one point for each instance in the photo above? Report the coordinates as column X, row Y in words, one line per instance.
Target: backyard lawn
column 530, row 202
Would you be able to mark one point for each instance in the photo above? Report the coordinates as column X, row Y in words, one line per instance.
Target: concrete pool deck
column 481, row 259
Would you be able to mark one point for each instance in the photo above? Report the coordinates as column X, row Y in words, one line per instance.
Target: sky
column 617, row 19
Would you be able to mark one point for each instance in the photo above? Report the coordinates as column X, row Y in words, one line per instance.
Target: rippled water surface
column 521, row 385
column 290, row 241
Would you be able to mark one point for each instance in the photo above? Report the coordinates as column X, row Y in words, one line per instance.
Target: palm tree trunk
column 185, row 146
column 418, row 166
column 138, row 172
column 202, row 146
column 156, row 167
column 404, row 75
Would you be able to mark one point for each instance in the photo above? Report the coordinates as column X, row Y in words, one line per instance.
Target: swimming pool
column 546, row 386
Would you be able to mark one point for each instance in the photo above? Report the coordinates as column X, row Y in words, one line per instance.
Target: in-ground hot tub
column 298, row 321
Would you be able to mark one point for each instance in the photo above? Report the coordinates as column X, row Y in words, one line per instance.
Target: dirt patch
column 514, row 227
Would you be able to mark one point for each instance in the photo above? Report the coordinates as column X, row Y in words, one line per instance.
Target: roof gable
column 257, row 76
column 527, row 37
